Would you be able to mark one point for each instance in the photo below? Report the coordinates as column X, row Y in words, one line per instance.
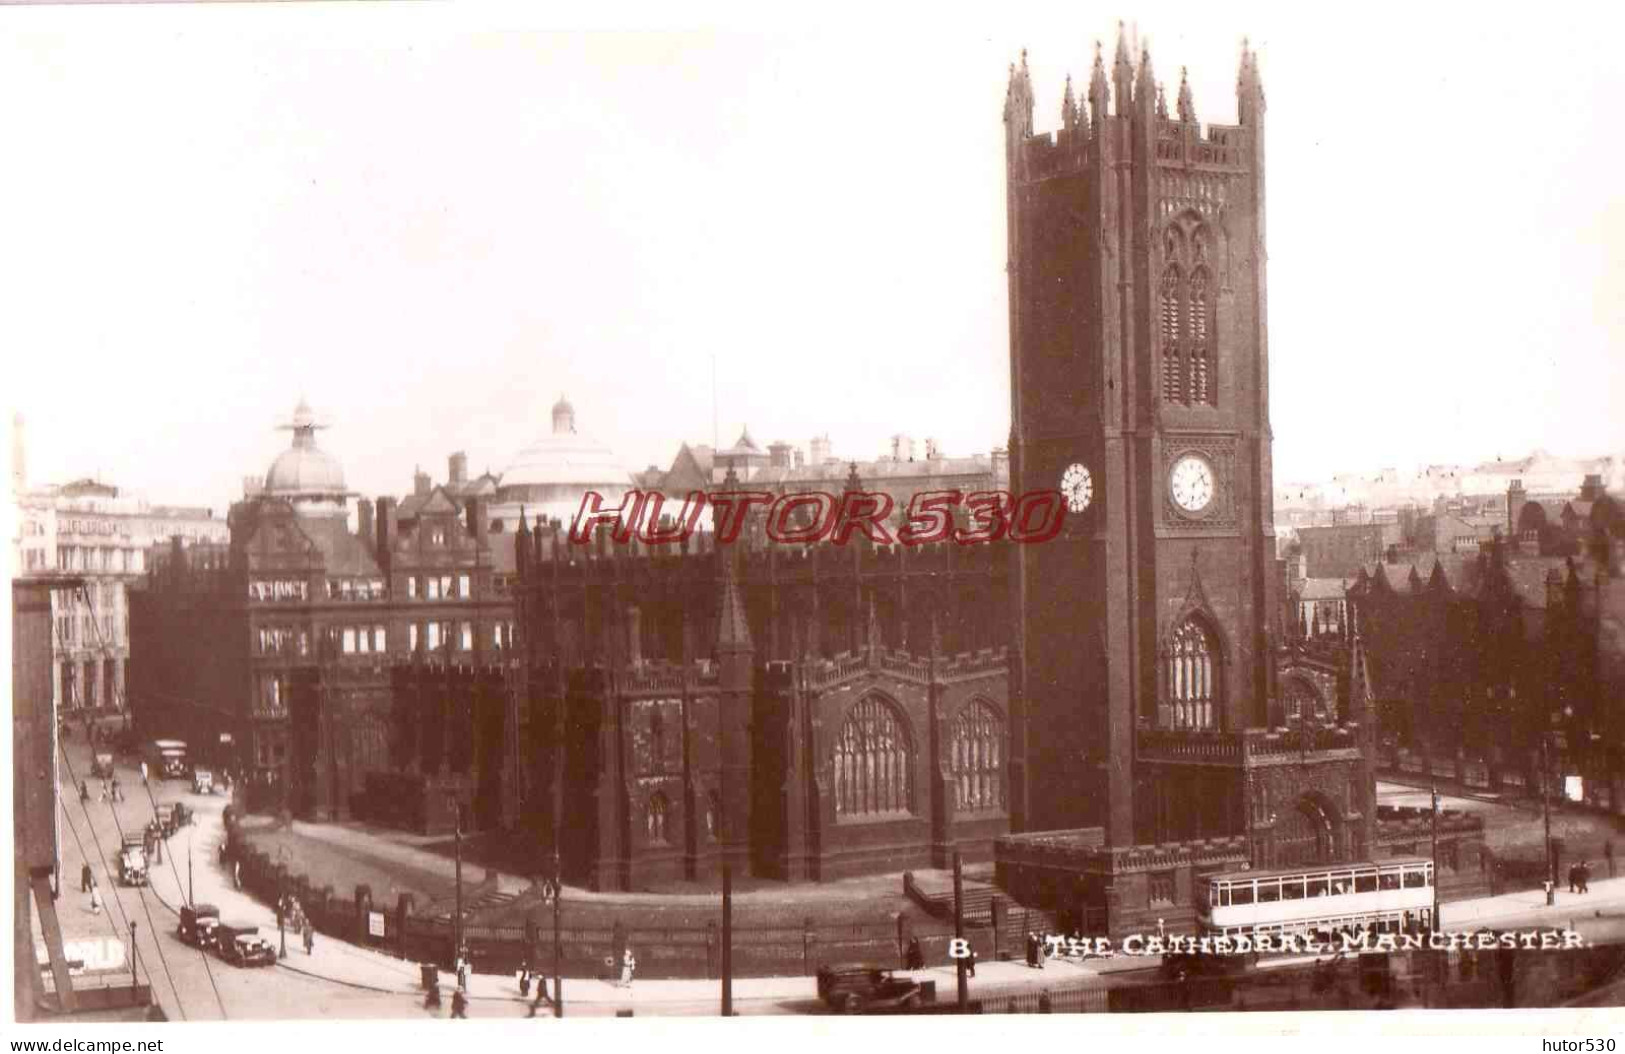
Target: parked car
column 858, row 989
column 243, row 946
column 198, row 924
column 202, row 781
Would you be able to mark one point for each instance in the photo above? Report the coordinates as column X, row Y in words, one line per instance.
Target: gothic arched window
column 1168, row 319
column 873, row 762
column 1191, row 676
column 1196, row 329
column 658, row 808
column 976, row 758
column 1301, row 702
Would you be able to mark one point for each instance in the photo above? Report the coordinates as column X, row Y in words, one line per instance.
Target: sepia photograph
column 522, row 514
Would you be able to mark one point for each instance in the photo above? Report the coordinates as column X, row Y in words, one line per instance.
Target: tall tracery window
column 1196, row 331
column 976, row 761
column 873, row 762
column 1185, row 316
column 1191, row 668
column 656, row 820
column 1172, row 374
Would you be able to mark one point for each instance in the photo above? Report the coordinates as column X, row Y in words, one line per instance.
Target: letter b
column 959, row 948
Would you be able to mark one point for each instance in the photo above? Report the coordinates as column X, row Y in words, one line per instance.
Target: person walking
column 628, row 964
column 310, row 937
column 103, row 798
column 459, row 1004
column 95, row 898
column 916, row 956
column 462, row 974
column 118, row 792
column 970, row 963
column 1574, row 878
column 1585, row 876
column 85, row 878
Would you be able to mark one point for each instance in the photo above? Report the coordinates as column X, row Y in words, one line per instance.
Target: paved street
column 343, row 980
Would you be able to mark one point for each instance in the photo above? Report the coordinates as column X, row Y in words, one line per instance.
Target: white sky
column 431, row 221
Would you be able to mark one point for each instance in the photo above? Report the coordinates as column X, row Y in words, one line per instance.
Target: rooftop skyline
column 430, row 227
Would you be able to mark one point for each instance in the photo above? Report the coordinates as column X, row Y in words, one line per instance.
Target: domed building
column 548, row 478
column 307, row 476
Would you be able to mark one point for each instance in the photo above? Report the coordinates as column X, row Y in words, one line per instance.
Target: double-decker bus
column 1388, row 896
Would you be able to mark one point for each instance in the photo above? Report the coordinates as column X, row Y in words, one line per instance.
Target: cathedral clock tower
column 1139, row 387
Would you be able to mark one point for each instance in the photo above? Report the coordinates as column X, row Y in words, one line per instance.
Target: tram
column 1388, row 896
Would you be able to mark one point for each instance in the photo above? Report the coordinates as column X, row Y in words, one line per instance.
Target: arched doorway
column 1306, row 835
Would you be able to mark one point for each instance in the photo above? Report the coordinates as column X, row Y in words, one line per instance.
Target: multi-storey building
column 274, row 651
column 90, row 530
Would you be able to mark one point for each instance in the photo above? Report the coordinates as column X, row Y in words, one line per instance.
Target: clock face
column 1078, row 487
column 1191, row 483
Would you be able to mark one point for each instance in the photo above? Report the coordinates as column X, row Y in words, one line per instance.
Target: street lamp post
column 1436, row 926
column 189, row 898
column 457, row 918
column 1546, row 817
column 558, row 946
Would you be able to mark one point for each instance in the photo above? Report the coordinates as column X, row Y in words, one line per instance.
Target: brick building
column 273, row 654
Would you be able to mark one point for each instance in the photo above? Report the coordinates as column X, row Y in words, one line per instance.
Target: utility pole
column 189, row 898
column 133, row 979
column 457, row 919
column 727, row 940
column 1436, row 926
column 1546, row 817
column 558, row 946
column 959, row 932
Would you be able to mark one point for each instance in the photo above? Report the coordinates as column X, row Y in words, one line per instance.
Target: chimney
column 1591, row 489
column 818, row 450
column 478, row 525
column 385, row 525
column 363, row 520
column 420, row 483
column 778, row 454
column 797, row 458
column 457, row 469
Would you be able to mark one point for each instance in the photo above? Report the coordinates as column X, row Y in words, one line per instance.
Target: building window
column 434, row 636
column 873, row 761
column 1191, row 677
column 437, row 537
column 412, row 636
column 976, row 758
column 465, row 636
column 272, row 700
column 412, row 587
column 433, row 585
column 463, row 589
column 1172, row 374
column 379, row 639
column 446, row 587
column 1196, row 330
column 1162, row 887
column 658, row 808
column 349, row 640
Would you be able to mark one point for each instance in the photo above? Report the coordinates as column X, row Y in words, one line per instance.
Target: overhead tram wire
column 162, row 959
column 202, row 954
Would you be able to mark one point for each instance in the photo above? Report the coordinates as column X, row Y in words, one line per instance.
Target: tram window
column 1291, row 889
column 1241, row 895
column 1320, row 886
column 1366, row 883
column 1415, row 880
column 1221, row 895
column 1388, row 880
column 1269, row 891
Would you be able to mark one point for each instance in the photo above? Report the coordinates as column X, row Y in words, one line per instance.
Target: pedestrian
column 459, row 1004
column 916, row 956
column 310, row 937
column 237, row 873
column 95, row 898
column 103, row 798
column 1585, row 876
column 431, row 998
column 462, row 974
column 118, row 792
column 84, row 790
column 143, row 772
column 524, row 983
column 85, row 878
column 970, row 963
column 1574, row 878
column 628, row 964
column 1032, row 950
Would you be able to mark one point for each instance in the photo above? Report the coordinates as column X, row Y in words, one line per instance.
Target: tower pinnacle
column 1123, row 74
column 1097, row 85
column 1069, row 107
column 1187, row 106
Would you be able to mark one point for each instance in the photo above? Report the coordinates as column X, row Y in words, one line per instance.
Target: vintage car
column 242, row 945
column 859, row 989
column 102, row 766
column 198, row 924
column 202, row 781
column 132, row 865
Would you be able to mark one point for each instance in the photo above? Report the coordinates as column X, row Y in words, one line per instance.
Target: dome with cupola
column 306, row 475
column 548, row 477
